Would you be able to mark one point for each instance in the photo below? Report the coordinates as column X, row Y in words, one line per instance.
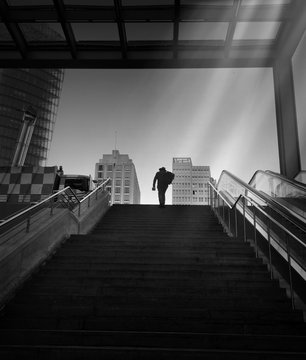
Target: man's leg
column 161, row 196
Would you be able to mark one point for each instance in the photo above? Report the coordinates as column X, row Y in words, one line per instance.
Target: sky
column 223, row 118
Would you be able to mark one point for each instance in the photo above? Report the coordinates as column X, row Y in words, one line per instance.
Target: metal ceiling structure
column 149, row 33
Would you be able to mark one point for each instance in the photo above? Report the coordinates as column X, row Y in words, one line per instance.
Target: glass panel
column 90, row 2
column 29, row 2
column 4, row 34
column 42, row 32
column 265, row 2
column 146, row 2
column 299, row 77
column 257, row 30
column 95, row 31
column 282, row 190
column 203, row 30
column 149, row 31
column 207, row 2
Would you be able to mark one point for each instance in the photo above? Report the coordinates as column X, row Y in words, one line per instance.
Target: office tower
column 190, row 185
column 29, row 101
column 120, row 169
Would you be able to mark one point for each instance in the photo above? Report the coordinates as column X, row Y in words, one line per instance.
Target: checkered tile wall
column 26, row 184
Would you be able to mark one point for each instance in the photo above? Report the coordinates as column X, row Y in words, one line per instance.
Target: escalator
column 289, row 193
column 270, row 210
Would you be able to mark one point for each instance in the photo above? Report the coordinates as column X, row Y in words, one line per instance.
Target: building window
column 117, row 190
column 126, row 182
column 126, row 190
column 109, row 167
column 100, row 167
column 100, row 175
column 118, row 182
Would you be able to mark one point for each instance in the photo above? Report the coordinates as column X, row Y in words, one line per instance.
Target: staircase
column 153, row 283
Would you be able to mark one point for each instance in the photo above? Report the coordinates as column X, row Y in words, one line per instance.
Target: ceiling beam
column 121, row 28
column 69, row 35
column 135, row 64
column 76, row 13
column 13, row 29
column 292, row 32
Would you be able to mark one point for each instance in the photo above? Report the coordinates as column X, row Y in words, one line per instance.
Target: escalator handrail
column 280, row 209
column 258, row 207
column 292, row 182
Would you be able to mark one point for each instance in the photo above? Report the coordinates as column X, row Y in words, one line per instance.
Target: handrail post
column 290, row 272
column 28, row 223
column 229, row 218
column 52, row 205
column 236, row 222
column 255, row 234
column 244, row 224
column 270, row 253
column 223, row 211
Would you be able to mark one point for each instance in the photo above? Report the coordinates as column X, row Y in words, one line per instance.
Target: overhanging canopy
column 148, row 33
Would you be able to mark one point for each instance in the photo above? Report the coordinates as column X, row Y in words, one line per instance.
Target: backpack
column 169, row 176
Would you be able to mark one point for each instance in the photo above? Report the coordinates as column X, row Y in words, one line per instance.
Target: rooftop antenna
column 115, row 140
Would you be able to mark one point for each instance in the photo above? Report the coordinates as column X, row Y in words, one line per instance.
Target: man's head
column 162, row 169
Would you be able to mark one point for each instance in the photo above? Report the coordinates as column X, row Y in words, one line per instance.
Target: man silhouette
column 163, row 179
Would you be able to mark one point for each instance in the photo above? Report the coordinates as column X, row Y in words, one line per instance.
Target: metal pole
column 270, row 253
column 28, row 223
column 223, row 211
column 255, row 235
column 236, row 222
column 290, row 272
column 244, row 225
column 229, row 218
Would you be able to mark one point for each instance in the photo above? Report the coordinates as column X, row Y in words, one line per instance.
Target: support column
column 287, row 130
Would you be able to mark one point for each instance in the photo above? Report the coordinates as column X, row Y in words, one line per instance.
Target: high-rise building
column 190, row 185
column 23, row 93
column 120, row 169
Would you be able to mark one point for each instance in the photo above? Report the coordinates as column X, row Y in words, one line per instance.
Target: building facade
column 124, row 187
column 190, row 185
column 23, row 91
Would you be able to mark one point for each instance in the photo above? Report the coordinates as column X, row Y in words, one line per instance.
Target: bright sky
column 224, row 118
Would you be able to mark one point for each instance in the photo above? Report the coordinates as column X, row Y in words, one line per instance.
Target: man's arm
column 154, row 182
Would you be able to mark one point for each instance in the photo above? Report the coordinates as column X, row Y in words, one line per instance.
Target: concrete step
column 130, row 353
column 152, row 283
column 162, row 340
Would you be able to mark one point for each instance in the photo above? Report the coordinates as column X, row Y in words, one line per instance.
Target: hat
column 162, row 168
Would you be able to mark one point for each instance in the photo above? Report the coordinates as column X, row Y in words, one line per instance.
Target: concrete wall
column 21, row 257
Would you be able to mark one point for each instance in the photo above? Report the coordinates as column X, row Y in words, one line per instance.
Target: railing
column 31, row 236
column 286, row 192
column 26, row 220
column 257, row 211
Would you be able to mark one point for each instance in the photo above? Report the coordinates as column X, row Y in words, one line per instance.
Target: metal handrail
column 260, row 209
column 287, row 249
column 32, row 208
column 292, row 182
column 277, row 207
column 98, row 188
column 221, row 196
column 65, row 197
